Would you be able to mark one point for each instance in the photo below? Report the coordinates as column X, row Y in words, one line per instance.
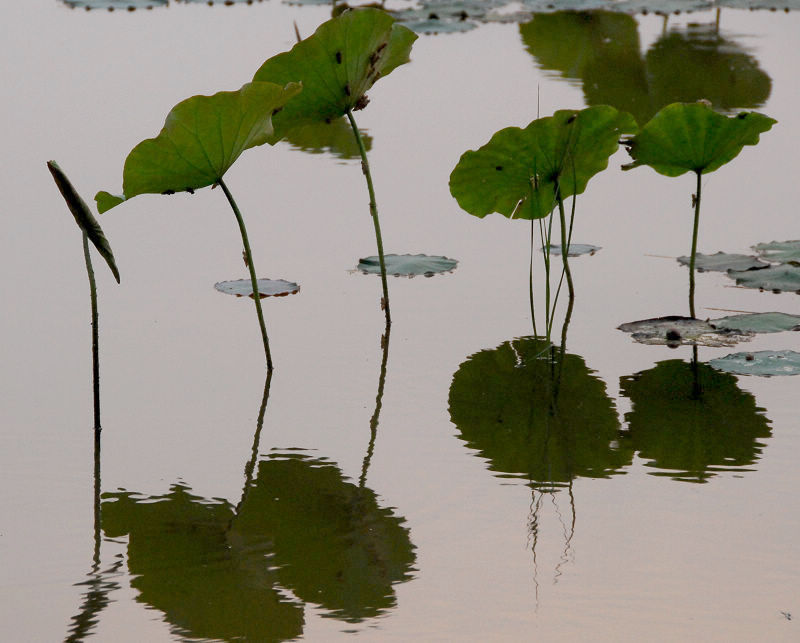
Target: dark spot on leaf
column 168, row 192
column 190, row 190
column 339, row 57
column 673, row 335
column 328, row 121
column 347, row 89
column 463, row 16
column 571, row 119
column 741, row 115
column 361, row 103
column 433, row 16
column 276, row 110
column 499, row 168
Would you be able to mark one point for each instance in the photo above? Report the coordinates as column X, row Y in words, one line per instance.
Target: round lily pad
column 759, row 322
column 764, row 363
column 723, row 262
column 266, row 288
column 782, row 278
column 575, row 249
column 408, row 265
column 675, row 331
column 781, row 251
column 122, row 5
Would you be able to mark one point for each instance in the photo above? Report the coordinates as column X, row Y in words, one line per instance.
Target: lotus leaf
column 337, row 65
column 408, row 265
column 782, row 278
column 575, row 249
column 111, row 5
column 759, row 322
column 764, row 363
column 781, row 251
column 676, row 331
column 692, row 137
column 266, row 287
column 723, row 262
column 83, row 216
column 517, row 171
column 690, row 421
column 201, row 139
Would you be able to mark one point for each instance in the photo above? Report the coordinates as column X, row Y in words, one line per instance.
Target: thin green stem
column 530, row 282
column 564, row 242
column 694, row 244
column 251, row 267
column 373, row 209
column 95, row 334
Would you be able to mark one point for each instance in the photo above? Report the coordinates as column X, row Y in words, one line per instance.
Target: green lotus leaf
column 575, row 249
column 782, row 251
column 763, row 363
column 337, row 65
column 83, row 216
column 723, row 262
column 692, row 137
column 782, row 278
column 516, row 172
column 759, row 322
column 675, row 330
column 691, row 421
column 502, row 401
column 266, row 288
column 111, row 5
column 201, row 139
column 408, row 265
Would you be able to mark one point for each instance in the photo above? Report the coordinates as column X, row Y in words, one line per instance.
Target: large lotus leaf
column 335, row 138
column 764, row 363
column 782, row 278
column 675, row 330
column 334, row 545
column 691, row 421
column 408, row 265
column 759, row 322
column 337, row 65
column 184, row 564
column 781, row 251
column 83, row 216
column 516, row 172
column 503, row 403
column 692, row 137
column 723, row 262
column 202, row 137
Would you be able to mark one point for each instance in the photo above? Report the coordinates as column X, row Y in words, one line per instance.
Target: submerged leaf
column 723, row 262
column 517, row 171
column 782, row 278
column 675, row 331
column 202, row 137
column 764, row 363
column 408, row 265
column 83, row 216
column 686, row 137
column 266, row 288
column 782, row 251
column 759, row 322
column 337, row 65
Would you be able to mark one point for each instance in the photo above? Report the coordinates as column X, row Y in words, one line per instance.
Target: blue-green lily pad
column 759, row 322
column 723, row 262
column 575, row 249
column 266, row 288
column 676, row 331
column 782, row 278
column 780, row 251
column 408, row 265
column 763, row 363
column 111, row 5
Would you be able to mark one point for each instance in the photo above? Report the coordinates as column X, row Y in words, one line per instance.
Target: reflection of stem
column 249, row 468
column 373, row 422
column 697, row 388
column 251, row 267
column 95, row 334
column 373, row 209
column 533, row 530
column 694, row 244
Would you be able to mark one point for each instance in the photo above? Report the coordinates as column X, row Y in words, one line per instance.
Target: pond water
column 382, row 496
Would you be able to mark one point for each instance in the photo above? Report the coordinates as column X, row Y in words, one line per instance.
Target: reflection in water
column 334, row 138
column 602, row 50
column 692, row 421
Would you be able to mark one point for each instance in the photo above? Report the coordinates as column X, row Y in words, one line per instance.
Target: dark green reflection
column 602, row 50
column 184, row 564
column 504, row 405
column 692, row 424
column 335, row 138
column 333, row 545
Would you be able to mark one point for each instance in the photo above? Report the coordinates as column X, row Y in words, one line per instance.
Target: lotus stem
column 251, row 267
column 530, row 281
column 564, row 242
column 95, row 335
column 373, row 208
column 694, row 244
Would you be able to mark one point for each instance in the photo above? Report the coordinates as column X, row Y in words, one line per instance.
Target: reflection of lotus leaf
column 782, row 278
column 501, row 400
column 722, row 262
column 184, row 565
column 692, row 435
column 334, row 546
column 765, row 363
column 335, row 138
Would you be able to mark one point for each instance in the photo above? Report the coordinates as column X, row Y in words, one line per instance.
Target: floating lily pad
column 723, row 262
column 111, row 5
column 764, row 363
column 759, row 322
column 676, row 331
column 575, row 249
column 779, row 251
column 782, row 278
column 408, row 265
column 266, row 288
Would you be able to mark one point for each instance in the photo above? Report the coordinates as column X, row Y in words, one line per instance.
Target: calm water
column 638, row 515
